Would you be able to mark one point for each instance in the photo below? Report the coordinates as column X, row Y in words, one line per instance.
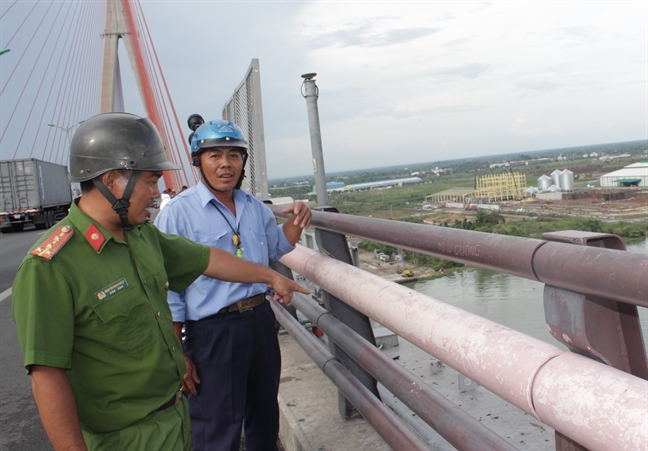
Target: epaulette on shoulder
column 53, row 243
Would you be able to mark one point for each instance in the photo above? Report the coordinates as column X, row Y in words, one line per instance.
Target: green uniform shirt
column 98, row 308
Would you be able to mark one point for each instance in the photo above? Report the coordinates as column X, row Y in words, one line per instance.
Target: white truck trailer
column 32, row 191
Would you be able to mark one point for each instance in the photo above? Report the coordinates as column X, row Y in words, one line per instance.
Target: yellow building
column 501, row 187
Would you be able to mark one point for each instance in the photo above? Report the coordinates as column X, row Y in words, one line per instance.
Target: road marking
column 5, row 294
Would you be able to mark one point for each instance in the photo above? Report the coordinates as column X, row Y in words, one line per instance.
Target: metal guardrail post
column 336, row 246
column 603, row 329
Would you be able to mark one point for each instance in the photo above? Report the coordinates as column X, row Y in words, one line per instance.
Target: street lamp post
column 311, row 94
column 66, row 129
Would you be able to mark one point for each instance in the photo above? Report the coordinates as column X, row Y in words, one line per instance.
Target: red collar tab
column 53, row 243
column 94, row 237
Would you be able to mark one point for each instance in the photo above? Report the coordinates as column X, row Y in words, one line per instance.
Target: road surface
column 20, row 426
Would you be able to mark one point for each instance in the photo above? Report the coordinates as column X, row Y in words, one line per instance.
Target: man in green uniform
column 90, row 299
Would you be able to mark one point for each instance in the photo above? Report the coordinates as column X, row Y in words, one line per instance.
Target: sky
column 410, row 82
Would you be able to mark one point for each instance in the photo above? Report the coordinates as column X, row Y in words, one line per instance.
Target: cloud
column 471, row 70
column 455, row 43
column 451, row 77
column 579, row 35
column 522, row 128
column 440, row 110
column 404, row 35
column 366, row 35
column 355, row 35
column 538, row 83
column 444, row 17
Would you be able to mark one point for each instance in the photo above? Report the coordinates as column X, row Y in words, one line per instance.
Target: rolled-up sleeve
column 177, row 305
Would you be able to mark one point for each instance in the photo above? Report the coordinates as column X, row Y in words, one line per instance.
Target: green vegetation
column 296, row 192
column 397, row 201
column 414, row 258
column 493, row 222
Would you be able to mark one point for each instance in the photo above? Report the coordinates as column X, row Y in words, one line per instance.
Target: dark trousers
column 239, row 364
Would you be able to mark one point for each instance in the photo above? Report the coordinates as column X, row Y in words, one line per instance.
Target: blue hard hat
column 217, row 133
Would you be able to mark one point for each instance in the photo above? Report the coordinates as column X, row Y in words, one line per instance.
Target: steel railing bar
column 527, row 372
column 609, row 273
column 437, row 411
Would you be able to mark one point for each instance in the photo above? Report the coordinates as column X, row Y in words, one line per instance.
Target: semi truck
column 33, row 191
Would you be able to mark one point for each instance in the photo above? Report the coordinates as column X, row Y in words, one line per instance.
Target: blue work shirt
column 194, row 214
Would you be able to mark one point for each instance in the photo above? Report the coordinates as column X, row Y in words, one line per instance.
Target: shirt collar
column 206, row 196
column 96, row 235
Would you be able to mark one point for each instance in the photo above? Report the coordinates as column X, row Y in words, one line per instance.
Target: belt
column 171, row 402
column 244, row 304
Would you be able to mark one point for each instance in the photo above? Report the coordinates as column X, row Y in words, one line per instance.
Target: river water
column 508, row 300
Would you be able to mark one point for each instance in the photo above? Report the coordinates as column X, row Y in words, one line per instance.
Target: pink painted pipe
column 516, row 367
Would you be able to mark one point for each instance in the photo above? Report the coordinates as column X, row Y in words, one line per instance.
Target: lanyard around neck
column 236, row 238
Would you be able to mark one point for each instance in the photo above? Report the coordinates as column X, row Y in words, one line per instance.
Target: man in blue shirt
column 231, row 347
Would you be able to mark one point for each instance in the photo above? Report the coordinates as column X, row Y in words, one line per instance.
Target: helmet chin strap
column 240, row 180
column 120, row 205
column 205, row 179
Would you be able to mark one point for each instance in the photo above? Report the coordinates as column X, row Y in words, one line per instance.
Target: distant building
column 632, row 175
column 332, row 186
column 614, row 157
column 499, row 165
column 450, row 195
column 436, row 171
column 384, row 183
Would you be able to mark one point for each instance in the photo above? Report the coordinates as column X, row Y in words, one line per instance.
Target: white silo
column 567, row 180
column 555, row 177
column 553, row 189
column 544, row 183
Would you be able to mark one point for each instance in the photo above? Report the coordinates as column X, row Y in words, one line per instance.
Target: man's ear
column 111, row 181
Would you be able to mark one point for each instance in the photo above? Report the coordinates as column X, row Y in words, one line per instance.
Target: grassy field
column 390, row 203
column 397, row 202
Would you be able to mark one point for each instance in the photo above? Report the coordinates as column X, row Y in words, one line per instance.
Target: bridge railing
column 594, row 397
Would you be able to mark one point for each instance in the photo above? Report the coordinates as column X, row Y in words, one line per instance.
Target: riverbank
column 393, row 270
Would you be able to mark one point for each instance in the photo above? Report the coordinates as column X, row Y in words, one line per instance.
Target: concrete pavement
column 308, row 403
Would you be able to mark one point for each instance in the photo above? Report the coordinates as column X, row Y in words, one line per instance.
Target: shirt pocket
column 261, row 243
column 126, row 323
column 216, row 238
